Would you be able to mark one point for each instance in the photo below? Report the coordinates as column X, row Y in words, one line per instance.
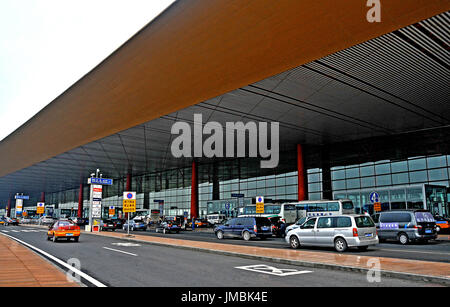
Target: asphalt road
column 114, row 262
column 438, row 251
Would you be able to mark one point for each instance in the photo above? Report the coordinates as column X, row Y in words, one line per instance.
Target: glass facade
column 399, row 183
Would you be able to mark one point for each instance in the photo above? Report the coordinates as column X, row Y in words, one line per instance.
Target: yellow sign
column 111, row 211
column 259, row 204
column 377, row 206
column 129, row 202
column 40, row 208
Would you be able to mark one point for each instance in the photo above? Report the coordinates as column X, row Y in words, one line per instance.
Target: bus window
column 334, row 206
column 311, row 208
column 321, row 207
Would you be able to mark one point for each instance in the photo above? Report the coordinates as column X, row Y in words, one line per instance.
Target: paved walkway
column 20, row 267
column 413, row 267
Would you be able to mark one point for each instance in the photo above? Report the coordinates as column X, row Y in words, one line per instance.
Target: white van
column 216, row 218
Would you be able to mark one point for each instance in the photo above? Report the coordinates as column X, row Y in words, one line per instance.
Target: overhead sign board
column 129, row 201
column 102, row 181
column 22, row 197
column 19, row 205
column 237, row 195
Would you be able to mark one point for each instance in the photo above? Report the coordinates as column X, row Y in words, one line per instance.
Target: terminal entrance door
column 436, row 200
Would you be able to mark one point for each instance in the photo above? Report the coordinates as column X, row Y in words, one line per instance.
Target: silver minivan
column 340, row 232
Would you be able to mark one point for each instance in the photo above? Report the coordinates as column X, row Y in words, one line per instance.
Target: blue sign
column 129, row 195
column 102, row 181
column 22, row 197
column 158, row 201
column 237, row 195
column 227, row 206
column 374, row 197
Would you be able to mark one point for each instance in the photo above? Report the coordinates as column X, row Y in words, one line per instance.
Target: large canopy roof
column 318, row 68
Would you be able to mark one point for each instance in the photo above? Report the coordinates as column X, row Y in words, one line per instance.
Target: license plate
column 69, row 234
column 368, row 235
column 265, row 228
column 428, row 231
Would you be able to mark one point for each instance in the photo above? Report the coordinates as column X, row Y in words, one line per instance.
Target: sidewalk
column 390, row 267
column 20, row 267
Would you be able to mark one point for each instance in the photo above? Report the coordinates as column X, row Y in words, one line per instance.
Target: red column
column 8, row 211
column 80, row 201
column 301, row 174
column 42, row 197
column 194, row 191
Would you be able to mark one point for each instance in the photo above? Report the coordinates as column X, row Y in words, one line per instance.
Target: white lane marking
column 267, row 269
column 5, row 230
column 116, row 250
column 15, row 231
column 126, row 244
column 80, row 273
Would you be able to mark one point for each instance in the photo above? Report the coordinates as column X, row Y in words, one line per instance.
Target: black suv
column 245, row 227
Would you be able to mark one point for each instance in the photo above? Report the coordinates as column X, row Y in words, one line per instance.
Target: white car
column 340, row 232
column 297, row 224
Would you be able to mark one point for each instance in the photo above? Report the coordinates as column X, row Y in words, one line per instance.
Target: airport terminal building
column 362, row 107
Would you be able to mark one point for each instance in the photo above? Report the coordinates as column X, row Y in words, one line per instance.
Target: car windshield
column 301, row 220
column 64, row 224
column 364, row 221
column 348, row 205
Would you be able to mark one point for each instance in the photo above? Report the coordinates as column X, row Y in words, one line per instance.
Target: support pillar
column 42, row 197
column 8, row 211
column 80, row 202
column 215, row 182
column 327, row 190
column 194, row 191
column 301, row 175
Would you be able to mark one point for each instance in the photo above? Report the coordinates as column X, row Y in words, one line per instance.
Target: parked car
column 135, row 225
column 170, row 224
column 63, row 229
column 245, row 227
column 118, row 223
column 108, row 224
column 297, row 224
column 11, row 221
column 442, row 223
column 82, row 221
column 2, row 220
column 340, row 232
column 406, row 225
column 47, row 220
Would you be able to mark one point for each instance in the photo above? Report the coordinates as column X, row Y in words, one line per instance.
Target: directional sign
column 237, row 195
column 22, row 197
column 129, row 201
column 40, row 208
column 102, row 181
column 112, row 210
column 374, row 197
column 377, row 206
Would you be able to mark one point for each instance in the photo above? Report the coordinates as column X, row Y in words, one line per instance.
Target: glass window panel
column 401, row 166
column 335, row 175
column 314, row 187
column 352, row 172
column 353, row 183
column 251, row 185
column 420, row 176
column 382, row 168
column 437, row 174
column 398, row 195
column 400, row 178
column 313, row 177
column 383, row 180
column 281, row 181
column 281, row 190
column 414, row 193
column 291, row 189
column 338, row 185
column 435, row 162
column 291, row 180
column 367, row 170
column 270, row 183
column 417, row 164
column 261, row 184
column 367, row 182
column 314, row 196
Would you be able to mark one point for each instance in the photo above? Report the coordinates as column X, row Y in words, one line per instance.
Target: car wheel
column 403, row 238
column 340, row 245
column 76, row 239
column 246, row 235
column 219, row 235
column 294, row 242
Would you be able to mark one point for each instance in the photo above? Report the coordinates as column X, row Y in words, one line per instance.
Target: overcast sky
column 47, row 45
